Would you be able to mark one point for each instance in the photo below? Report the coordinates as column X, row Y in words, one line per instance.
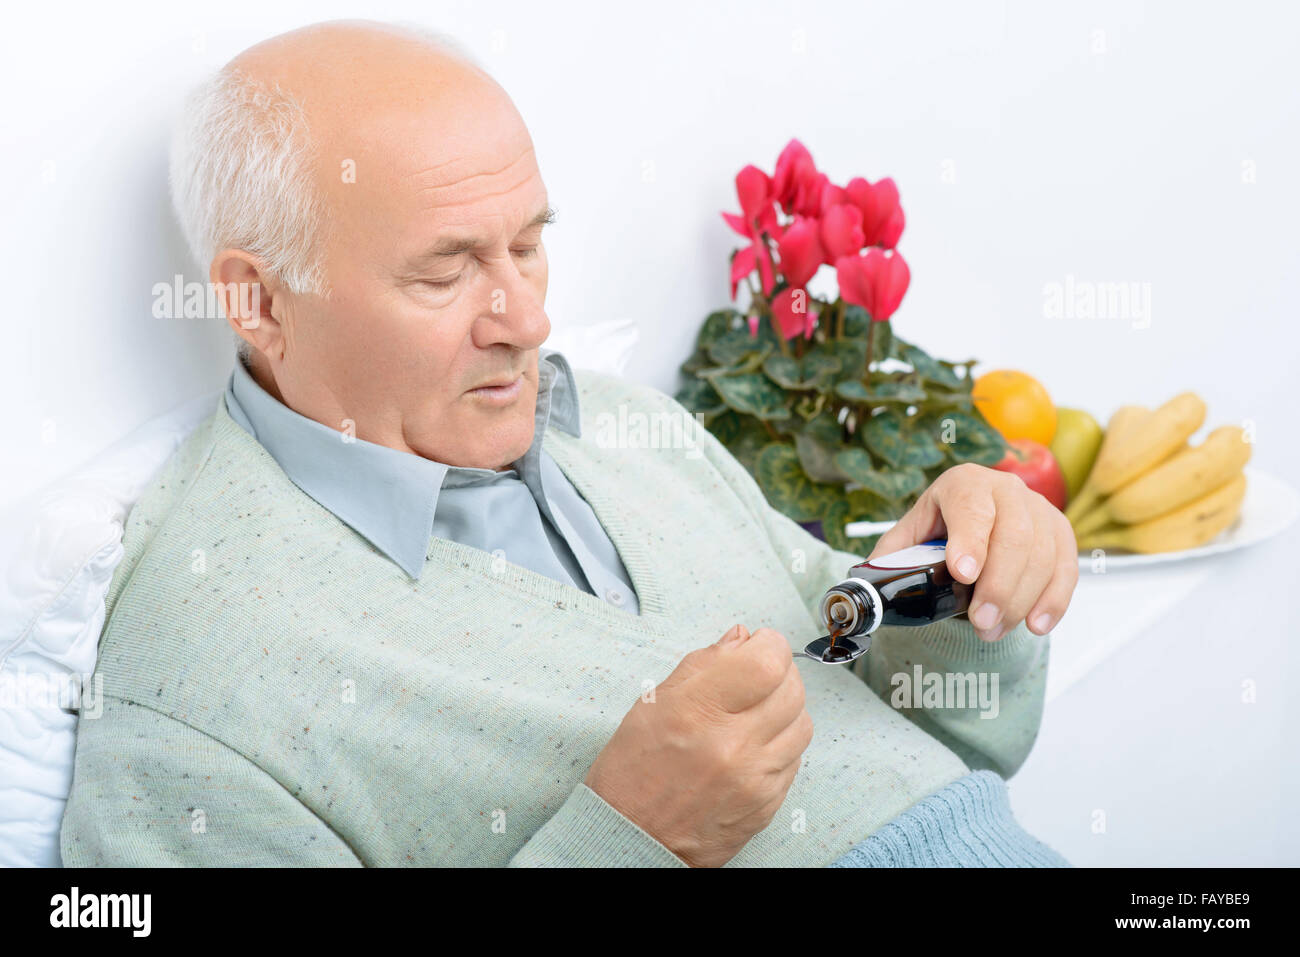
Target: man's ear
column 247, row 292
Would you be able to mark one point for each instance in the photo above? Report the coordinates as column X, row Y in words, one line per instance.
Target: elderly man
column 392, row 603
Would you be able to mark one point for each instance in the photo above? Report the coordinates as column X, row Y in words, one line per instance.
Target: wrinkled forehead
column 460, row 159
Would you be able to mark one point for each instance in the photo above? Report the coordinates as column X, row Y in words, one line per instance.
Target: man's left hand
column 1017, row 546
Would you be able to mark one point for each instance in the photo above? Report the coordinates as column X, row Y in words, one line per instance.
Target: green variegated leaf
column 727, row 426
column 818, row 459
column 751, row 394
column 748, row 444
column 826, row 428
column 964, row 436
column 852, row 390
column 937, row 399
column 920, row 448
column 883, row 435
column 851, row 354
column 788, row 489
column 734, row 347
column 907, row 393
column 926, row 367
column 716, row 325
column 856, row 322
column 807, row 373
column 785, row 371
column 893, row 485
column 896, row 391
column 743, row 435
column 698, row 396
column 819, row 370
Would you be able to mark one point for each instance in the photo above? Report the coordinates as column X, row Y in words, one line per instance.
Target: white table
column 1172, row 729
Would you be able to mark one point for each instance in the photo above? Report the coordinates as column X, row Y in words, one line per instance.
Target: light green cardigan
column 278, row 692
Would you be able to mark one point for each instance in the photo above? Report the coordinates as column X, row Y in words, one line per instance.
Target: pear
column 1075, row 446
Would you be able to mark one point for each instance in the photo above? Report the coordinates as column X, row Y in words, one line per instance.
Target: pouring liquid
column 834, row 655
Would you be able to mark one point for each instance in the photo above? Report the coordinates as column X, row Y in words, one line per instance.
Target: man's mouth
column 500, row 391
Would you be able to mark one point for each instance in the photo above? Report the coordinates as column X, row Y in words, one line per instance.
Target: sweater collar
column 387, row 496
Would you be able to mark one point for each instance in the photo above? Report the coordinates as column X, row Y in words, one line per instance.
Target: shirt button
column 613, row 596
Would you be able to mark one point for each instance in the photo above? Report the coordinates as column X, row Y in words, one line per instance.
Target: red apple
column 1037, row 468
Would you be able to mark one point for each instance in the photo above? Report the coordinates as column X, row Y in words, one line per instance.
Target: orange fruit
column 1016, row 404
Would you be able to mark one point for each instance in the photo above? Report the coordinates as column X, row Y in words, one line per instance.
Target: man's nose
column 513, row 314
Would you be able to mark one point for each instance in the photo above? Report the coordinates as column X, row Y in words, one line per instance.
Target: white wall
column 1104, row 141
column 1122, row 165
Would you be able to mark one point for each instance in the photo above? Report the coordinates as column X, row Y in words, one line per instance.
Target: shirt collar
column 388, row 497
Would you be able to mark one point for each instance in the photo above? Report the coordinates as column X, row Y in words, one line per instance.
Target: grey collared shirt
column 529, row 514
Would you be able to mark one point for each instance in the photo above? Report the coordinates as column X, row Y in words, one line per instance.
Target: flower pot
column 814, row 529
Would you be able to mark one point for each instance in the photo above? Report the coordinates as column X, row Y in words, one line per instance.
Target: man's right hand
column 705, row 765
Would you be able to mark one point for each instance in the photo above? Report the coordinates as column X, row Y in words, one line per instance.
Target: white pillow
column 60, row 557
column 60, row 553
column 601, row 346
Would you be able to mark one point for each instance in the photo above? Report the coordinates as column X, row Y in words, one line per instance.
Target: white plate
column 1269, row 507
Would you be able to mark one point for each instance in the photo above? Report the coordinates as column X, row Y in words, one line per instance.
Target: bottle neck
column 851, row 609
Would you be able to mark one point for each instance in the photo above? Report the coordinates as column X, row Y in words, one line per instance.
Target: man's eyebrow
column 455, row 246
column 544, row 218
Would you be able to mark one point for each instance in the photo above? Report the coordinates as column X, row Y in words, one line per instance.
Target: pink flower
column 830, row 225
column 796, row 185
column 758, row 216
column 754, row 190
column 793, row 166
column 832, row 195
column 882, row 216
column 801, row 251
column 841, row 231
column 876, row 282
column 791, row 312
column 808, row 197
column 742, row 264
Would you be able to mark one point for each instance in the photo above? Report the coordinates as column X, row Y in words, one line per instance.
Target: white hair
column 242, row 169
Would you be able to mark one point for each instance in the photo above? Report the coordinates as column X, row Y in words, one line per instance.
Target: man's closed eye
column 528, row 253
column 443, row 283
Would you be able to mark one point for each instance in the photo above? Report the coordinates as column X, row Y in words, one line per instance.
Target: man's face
column 434, row 257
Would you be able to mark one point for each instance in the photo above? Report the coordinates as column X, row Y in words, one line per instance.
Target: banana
column 1187, row 527
column 1186, row 476
column 1142, row 442
column 1100, row 515
column 1124, row 418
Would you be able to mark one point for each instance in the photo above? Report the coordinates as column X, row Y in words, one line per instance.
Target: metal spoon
column 844, row 650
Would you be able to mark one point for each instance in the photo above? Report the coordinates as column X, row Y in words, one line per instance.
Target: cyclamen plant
column 837, row 418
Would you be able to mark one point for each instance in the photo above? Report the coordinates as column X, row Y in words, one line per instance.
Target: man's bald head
column 248, row 159
column 381, row 192
column 344, row 69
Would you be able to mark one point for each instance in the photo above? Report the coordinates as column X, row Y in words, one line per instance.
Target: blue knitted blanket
column 966, row 824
